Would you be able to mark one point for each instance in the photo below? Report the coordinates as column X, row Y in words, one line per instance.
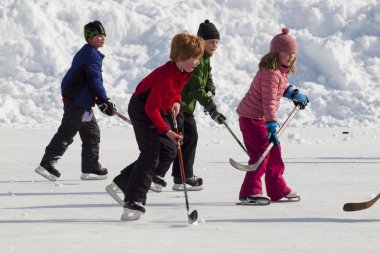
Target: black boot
column 193, row 183
column 47, row 170
column 98, row 174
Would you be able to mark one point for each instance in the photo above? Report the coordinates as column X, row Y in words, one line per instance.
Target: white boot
column 132, row 211
column 112, row 190
column 255, row 200
column 293, row 196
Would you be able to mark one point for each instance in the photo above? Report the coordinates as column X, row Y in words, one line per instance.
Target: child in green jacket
column 199, row 88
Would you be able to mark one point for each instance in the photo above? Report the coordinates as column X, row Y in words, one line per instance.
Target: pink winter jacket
column 262, row 100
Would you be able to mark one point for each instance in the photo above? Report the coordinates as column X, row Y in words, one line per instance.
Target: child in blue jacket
column 81, row 88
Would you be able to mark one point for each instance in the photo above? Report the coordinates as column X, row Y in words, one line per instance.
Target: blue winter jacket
column 83, row 82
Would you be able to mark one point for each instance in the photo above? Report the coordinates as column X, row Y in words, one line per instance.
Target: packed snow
column 69, row 215
column 331, row 149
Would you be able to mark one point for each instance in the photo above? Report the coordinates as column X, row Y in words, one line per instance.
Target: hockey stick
column 233, row 135
column 121, row 116
column 254, row 166
column 193, row 216
column 349, row 207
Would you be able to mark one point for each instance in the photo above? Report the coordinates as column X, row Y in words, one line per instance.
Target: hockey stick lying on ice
column 236, row 138
column 254, row 166
column 193, row 216
column 121, row 116
column 349, row 207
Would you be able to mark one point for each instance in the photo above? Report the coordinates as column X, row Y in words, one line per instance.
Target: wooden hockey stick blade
column 240, row 166
column 121, row 116
column 253, row 167
column 349, row 207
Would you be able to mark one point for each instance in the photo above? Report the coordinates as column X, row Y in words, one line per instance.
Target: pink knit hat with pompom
column 283, row 42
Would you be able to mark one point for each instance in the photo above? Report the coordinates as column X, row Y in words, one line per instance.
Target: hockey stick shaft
column 183, row 176
column 236, row 138
column 279, row 133
column 349, row 207
column 182, row 167
column 121, row 116
column 193, row 216
column 253, row 167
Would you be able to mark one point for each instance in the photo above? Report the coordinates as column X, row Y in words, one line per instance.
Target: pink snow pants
column 256, row 141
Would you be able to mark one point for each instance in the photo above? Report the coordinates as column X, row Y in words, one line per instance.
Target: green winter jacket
column 194, row 90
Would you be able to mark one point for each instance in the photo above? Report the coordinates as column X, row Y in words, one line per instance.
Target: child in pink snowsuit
column 257, row 120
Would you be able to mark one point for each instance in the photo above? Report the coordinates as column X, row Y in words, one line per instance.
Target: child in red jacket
column 258, row 122
column 150, row 107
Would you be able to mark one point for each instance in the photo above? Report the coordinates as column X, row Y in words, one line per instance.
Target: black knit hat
column 93, row 29
column 208, row 31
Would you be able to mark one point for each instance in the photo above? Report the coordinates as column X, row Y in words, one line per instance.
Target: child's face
column 188, row 65
column 286, row 58
column 211, row 46
column 97, row 41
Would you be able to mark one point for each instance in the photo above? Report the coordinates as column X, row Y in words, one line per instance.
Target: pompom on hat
column 283, row 42
column 93, row 29
column 208, row 31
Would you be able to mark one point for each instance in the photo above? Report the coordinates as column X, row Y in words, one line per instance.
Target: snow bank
column 338, row 58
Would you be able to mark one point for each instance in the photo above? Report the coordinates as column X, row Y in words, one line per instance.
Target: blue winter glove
column 272, row 132
column 297, row 97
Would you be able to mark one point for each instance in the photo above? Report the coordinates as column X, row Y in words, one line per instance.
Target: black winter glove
column 214, row 114
column 210, row 88
column 107, row 107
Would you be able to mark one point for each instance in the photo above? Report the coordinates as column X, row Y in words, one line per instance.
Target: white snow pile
column 338, row 57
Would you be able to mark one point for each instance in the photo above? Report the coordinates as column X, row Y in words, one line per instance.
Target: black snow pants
column 155, row 148
column 89, row 133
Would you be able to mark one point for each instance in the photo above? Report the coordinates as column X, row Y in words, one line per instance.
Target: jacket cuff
column 210, row 107
column 288, row 92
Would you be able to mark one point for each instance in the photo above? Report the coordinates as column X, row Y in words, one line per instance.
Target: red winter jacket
column 165, row 84
column 262, row 100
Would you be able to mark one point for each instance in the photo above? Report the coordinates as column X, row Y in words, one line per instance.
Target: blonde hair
column 184, row 46
column 270, row 62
